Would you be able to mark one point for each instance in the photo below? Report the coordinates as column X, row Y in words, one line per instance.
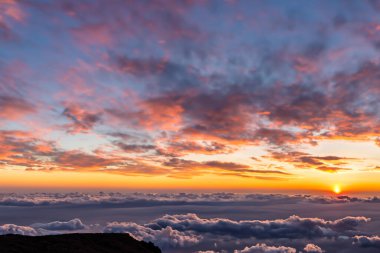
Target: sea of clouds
column 218, row 222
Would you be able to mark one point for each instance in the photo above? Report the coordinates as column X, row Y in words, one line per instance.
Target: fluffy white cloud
column 312, row 248
column 292, row 227
column 165, row 237
column 55, row 227
column 263, row 248
column 18, row 230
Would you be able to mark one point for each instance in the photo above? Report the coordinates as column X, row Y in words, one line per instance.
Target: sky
column 202, row 126
column 267, row 96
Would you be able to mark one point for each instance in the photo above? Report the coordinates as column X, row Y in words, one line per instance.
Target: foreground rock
column 75, row 243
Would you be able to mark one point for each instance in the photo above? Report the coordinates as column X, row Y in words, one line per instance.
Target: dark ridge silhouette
column 75, row 243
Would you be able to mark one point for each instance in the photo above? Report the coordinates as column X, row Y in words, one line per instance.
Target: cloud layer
column 188, row 231
column 292, row 227
column 114, row 199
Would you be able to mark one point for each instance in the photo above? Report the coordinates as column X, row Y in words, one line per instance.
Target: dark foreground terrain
column 75, row 243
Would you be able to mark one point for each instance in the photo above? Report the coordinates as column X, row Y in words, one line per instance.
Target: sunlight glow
column 337, row 189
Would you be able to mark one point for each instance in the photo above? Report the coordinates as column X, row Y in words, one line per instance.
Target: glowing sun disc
column 337, row 189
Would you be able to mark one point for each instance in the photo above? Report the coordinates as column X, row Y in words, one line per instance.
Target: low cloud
column 17, row 230
column 312, row 248
column 292, row 227
column 263, row 248
column 55, row 227
column 192, row 232
column 114, row 199
column 71, row 225
column 165, row 238
column 367, row 241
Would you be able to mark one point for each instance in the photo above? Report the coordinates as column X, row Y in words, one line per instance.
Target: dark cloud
column 174, row 75
column 228, row 112
column 15, row 107
column 276, row 136
column 182, row 167
column 331, row 164
column 180, row 148
column 367, row 241
column 81, row 160
column 82, row 121
column 135, row 148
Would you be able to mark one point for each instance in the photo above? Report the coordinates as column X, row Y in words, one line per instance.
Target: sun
column 337, row 189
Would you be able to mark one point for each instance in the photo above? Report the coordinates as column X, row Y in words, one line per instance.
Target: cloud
column 312, row 248
column 80, row 160
column 38, row 229
column 82, row 120
column 259, row 248
column 331, row 169
column 263, row 248
column 18, row 230
column 11, row 11
column 135, row 148
column 165, row 238
column 302, row 160
column 153, row 113
column 181, row 148
column 13, row 108
column 114, row 199
column 188, row 232
column 181, row 163
column 367, row 241
column 292, row 227
column 276, row 136
column 116, row 17
column 71, row 225
column 96, row 34
column 235, row 113
column 184, row 168
column 22, row 149
column 377, row 141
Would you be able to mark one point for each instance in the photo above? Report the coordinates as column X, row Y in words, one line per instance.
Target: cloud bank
column 113, row 199
column 188, row 231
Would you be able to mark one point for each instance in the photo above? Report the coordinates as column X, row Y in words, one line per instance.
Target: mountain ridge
column 75, row 243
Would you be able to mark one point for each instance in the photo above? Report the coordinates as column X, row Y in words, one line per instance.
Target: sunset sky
column 190, row 95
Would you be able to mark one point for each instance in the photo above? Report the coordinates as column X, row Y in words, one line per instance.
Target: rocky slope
column 75, row 243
